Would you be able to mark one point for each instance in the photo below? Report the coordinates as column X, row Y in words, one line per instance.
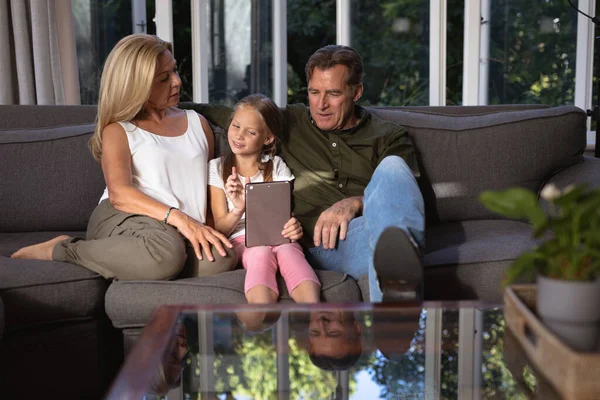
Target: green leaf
column 514, row 203
column 571, row 196
column 540, row 228
column 526, row 265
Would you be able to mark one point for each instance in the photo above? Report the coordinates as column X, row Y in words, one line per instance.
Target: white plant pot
column 571, row 310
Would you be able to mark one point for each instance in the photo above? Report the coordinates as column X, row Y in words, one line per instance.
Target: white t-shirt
column 281, row 172
column 172, row 170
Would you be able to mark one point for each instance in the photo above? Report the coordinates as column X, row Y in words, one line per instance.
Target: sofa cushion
column 468, row 260
column 129, row 304
column 41, row 116
column 462, row 155
column 469, row 242
column 38, row 292
column 48, row 179
column 480, row 281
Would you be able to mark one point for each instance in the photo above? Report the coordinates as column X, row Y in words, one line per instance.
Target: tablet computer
column 268, row 208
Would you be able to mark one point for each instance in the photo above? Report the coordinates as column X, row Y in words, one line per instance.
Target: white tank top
column 172, row 170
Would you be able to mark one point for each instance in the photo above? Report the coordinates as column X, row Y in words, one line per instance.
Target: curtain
column 37, row 46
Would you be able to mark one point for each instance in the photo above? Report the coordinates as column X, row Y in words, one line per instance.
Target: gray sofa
column 61, row 315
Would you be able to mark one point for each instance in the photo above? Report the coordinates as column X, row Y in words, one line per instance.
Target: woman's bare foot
column 40, row 251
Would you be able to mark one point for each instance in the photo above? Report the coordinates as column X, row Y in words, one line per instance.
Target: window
column 310, row 26
column 532, row 47
column 98, row 26
column 392, row 38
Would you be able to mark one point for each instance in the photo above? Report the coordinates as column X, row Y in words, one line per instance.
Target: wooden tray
column 574, row 375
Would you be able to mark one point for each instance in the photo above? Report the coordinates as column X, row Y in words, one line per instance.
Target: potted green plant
column 566, row 260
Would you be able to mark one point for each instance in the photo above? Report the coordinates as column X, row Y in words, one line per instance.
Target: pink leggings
column 261, row 263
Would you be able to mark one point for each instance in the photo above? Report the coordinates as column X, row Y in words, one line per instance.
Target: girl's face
column 248, row 132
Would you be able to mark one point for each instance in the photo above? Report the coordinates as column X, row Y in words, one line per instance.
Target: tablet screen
column 268, row 209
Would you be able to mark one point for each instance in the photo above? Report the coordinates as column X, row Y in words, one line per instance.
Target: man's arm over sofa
column 216, row 113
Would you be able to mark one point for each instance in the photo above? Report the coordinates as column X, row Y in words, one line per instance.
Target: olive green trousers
column 135, row 247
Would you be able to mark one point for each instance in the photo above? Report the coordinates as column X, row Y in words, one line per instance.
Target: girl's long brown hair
column 271, row 116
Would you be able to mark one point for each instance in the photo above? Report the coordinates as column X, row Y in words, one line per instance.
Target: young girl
column 252, row 141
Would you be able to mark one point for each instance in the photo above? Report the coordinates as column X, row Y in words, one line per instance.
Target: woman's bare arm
column 116, row 166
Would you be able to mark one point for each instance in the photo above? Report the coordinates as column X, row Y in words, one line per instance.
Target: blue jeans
column 392, row 198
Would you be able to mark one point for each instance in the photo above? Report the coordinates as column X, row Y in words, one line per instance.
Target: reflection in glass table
column 325, row 351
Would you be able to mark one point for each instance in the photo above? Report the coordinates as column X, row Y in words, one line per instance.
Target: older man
column 355, row 191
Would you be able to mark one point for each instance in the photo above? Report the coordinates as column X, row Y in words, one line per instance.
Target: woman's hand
column 235, row 191
column 293, row 230
column 200, row 236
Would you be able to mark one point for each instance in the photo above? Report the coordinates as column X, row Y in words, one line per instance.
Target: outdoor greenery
column 245, row 367
column 531, row 57
column 532, row 52
column 570, row 227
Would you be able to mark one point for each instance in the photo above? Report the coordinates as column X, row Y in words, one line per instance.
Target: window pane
column 98, row 26
column 392, row 37
column 532, row 52
column 240, row 55
column 182, row 45
column 311, row 25
column 455, row 40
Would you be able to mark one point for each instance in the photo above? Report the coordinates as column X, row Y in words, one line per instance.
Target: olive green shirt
column 330, row 166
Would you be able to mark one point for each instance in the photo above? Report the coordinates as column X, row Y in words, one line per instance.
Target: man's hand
column 335, row 220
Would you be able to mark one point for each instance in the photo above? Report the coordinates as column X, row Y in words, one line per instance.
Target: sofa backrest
column 49, row 180
column 48, row 177
column 463, row 151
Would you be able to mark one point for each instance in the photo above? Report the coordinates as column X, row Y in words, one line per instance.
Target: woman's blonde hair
column 126, row 82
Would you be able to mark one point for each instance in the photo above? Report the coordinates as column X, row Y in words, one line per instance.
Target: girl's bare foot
column 40, row 251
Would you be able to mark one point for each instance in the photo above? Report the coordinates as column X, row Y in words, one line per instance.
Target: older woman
column 152, row 215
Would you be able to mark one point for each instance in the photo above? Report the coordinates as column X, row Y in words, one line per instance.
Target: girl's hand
column 235, row 191
column 201, row 236
column 293, row 230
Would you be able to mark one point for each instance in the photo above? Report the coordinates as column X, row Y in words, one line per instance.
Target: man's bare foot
column 40, row 251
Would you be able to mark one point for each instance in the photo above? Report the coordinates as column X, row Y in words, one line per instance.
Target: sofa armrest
column 587, row 171
column 1, row 318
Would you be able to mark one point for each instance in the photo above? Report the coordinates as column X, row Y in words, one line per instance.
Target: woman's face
column 166, row 84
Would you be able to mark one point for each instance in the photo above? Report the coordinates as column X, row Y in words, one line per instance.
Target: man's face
column 331, row 99
column 334, row 334
column 174, row 361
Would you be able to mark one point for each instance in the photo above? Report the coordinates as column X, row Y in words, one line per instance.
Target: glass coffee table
column 329, row 351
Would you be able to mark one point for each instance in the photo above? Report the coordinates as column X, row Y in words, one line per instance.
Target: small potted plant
column 566, row 260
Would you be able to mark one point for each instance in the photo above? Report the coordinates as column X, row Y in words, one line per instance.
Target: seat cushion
column 467, row 260
column 38, row 292
column 469, row 242
column 129, row 304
